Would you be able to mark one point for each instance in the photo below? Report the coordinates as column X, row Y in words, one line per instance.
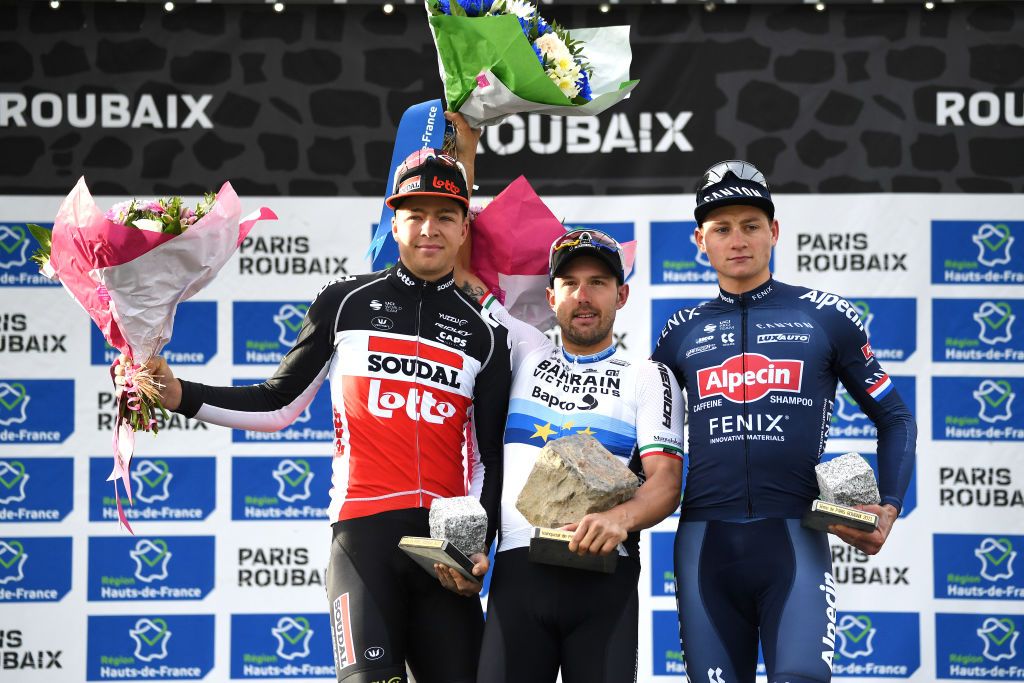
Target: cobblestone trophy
column 843, row 483
column 573, row 476
column 458, row 527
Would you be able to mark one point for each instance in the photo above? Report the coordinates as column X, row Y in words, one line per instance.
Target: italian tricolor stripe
column 487, row 299
column 660, row 449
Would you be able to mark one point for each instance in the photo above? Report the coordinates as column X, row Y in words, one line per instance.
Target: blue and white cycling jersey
column 632, row 406
column 760, row 372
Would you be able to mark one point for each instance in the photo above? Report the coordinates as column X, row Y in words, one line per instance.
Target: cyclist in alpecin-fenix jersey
column 759, row 365
column 415, row 367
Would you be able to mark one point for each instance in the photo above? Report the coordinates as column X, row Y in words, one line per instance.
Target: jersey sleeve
column 275, row 403
column 487, row 427
column 870, row 386
column 523, row 337
column 659, row 423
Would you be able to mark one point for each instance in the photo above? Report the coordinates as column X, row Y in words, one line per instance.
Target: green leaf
column 45, row 239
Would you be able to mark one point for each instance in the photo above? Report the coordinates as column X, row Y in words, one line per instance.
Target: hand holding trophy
column 844, row 483
column 458, row 528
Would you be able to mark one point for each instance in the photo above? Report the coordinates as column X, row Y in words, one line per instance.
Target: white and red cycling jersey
column 416, row 369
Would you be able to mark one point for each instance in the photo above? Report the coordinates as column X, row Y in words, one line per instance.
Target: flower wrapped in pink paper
column 129, row 268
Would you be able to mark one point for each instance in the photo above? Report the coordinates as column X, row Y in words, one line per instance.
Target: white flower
column 567, row 86
column 520, row 8
column 552, row 47
column 148, row 224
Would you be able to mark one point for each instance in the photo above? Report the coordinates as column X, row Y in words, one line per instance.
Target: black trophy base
column 551, row 546
column 822, row 515
column 427, row 552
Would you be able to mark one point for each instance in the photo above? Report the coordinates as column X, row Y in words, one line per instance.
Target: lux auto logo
column 993, row 242
column 856, row 636
column 13, row 478
column 13, row 401
column 999, row 637
column 292, row 634
column 293, row 479
column 150, row 636
column 289, row 321
column 996, row 556
column 12, row 561
column 995, row 319
column 994, row 398
column 151, row 558
column 152, row 479
column 13, row 244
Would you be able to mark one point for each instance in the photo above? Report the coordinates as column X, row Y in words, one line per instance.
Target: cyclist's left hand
column 868, row 542
column 457, row 583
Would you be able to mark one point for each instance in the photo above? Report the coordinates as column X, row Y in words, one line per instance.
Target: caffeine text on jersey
column 412, row 364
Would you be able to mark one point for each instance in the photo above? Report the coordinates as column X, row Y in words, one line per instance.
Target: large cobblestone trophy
column 573, row 476
column 458, row 528
column 843, row 483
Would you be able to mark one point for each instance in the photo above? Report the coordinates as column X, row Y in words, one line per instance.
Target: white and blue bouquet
column 500, row 57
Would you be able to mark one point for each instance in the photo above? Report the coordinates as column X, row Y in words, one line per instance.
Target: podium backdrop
column 893, row 140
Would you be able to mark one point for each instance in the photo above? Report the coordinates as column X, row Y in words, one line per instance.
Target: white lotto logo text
column 418, row 403
column 749, row 377
column 109, row 110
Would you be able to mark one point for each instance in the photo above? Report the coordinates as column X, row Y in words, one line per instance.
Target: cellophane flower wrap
column 500, row 57
column 511, row 238
column 131, row 278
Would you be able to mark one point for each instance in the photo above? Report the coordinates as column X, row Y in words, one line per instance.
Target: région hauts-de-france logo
column 293, row 480
column 13, row 246
column 996, row 556
column 12, row 561
column 13, row 478
column 292, row 634
column 151, row 637
column 1000, row 638
column 993, row 242
column 995, row 398
column 151, row 558
column 856, row 636
column 289, row 321
column 995, row 318
column 14, row 400
column 152, row 480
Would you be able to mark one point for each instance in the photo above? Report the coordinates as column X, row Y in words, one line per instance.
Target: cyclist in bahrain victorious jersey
column 759, row 365
column 416, row 367
column 540, row 617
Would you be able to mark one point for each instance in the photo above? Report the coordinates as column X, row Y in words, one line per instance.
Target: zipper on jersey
column 418, row 399
column 746, row 416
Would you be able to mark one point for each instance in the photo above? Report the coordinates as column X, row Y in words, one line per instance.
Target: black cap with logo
column 732, row 182
column 585, row 241
column 428, row 172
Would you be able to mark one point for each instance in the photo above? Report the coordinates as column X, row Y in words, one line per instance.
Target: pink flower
column 154, row 207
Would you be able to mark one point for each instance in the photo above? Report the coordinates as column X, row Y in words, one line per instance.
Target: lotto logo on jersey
column 979, row 646
column 749, row 377
column 978, row 567
column 877, row 644
column 149, row 647
column 283, row 646
column 416, row 403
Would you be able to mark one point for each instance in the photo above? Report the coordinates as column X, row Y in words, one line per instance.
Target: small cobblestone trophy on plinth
column 843, row 483
column 458, row 527
column 573, row 476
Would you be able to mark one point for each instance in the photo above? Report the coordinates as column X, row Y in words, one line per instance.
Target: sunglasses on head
column 585, row 237
column 740, row 169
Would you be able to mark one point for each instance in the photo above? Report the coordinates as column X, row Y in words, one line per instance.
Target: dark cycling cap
column 732, row 182
column 428, row 172
column 590, row 242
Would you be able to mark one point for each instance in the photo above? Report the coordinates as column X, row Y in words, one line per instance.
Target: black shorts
column 541, row 618
column 386, row 611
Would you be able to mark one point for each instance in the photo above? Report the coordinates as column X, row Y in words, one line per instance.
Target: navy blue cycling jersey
column 760, row 372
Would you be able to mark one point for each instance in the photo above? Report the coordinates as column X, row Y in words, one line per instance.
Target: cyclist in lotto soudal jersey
column 540, row 617
column 760, row 366
column 415, row 367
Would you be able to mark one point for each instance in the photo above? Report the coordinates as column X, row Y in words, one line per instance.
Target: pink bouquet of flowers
column 129, row 268
column 511, row 237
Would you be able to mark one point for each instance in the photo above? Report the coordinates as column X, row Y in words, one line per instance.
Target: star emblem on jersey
column 543, row 431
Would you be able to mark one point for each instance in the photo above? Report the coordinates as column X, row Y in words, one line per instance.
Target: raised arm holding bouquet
column 129, row 268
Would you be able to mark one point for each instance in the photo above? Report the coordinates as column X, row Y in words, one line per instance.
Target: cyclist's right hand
column 170, row 387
